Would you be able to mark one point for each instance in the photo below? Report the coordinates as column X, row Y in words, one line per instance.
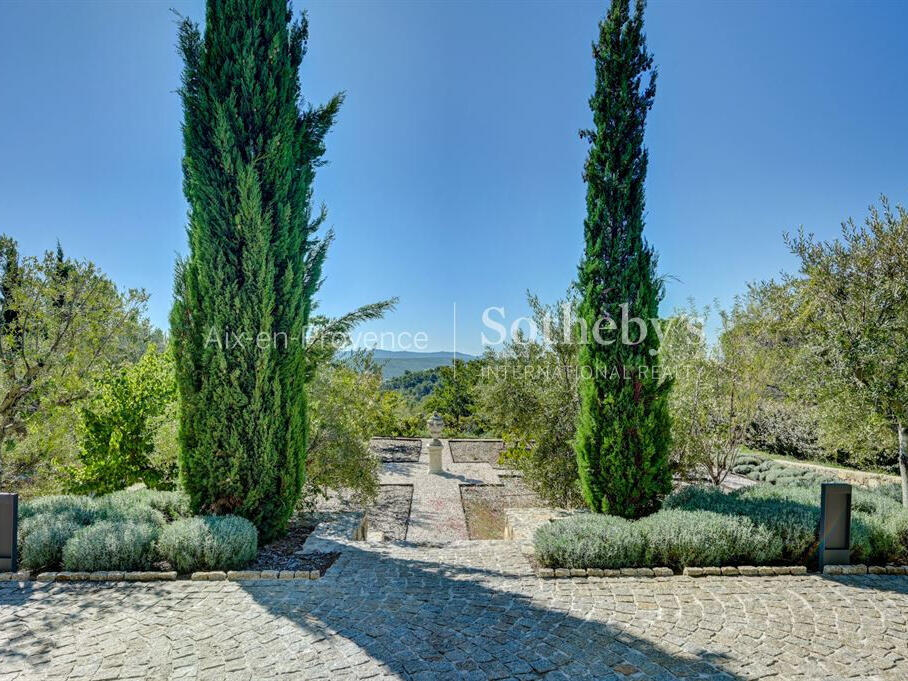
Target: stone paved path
column 436, row 513
column 470, row 610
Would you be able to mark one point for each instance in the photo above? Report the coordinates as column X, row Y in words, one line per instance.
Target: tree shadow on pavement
column 423, row 619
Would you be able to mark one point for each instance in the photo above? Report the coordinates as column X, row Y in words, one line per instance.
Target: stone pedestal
column 435, row 456
column 435, row 425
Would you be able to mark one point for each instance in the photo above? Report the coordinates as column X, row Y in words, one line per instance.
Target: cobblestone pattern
column 469, row 610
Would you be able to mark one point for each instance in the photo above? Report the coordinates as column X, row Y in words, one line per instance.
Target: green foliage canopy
column 119, row 426
column 854, row 308
column 63, row 325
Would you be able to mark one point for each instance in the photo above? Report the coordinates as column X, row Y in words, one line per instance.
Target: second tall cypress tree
column 623, row 431
column 244, row 293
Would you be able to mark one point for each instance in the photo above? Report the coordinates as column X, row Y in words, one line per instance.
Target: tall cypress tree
column 254, row 263
column 623, row 429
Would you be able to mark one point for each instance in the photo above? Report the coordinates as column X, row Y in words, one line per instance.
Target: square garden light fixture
column 9, row 520
column 835, row 524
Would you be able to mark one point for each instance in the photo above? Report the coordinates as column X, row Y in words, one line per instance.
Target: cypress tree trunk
column 243, row 295
column 623, row 431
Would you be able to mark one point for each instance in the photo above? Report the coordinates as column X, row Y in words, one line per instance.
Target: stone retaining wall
column 152, row 576
column 725, row 571
column 521, row 524
column 336, row 532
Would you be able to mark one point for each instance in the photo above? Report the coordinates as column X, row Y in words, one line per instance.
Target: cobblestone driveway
column 467, row 610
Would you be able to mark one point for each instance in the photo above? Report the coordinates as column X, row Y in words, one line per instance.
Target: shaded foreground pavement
column 468, row 610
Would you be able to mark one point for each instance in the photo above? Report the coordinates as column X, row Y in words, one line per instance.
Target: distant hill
column 397, row 363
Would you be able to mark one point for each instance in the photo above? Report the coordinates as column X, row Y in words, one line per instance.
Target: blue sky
column 454, row 169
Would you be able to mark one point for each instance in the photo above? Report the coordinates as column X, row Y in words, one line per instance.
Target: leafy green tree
column 454, row 397
column 528, row 396
column 118, row 428
column 243, row 296
column 63, row 324
column 328, row 336
column 623, row 431
column 808, row 412
column 414, row 385
column 344, row 409
column 717, row 391
column 397, row 417
column 854, row 314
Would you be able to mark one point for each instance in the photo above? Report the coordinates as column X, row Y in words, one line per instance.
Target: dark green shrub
column 112, row 546
column 254, row 260
column 42, row 538
column 209, row 543
column 785, row 428
column 624, row 427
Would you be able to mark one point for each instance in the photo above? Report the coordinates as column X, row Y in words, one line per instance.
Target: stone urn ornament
column 435, row 424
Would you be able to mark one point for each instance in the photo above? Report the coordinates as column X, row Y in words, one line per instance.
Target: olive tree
column 854, row 314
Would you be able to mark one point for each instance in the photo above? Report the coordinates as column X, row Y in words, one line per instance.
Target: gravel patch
column 390, row 514
column 477, row 451
column 286, row 553
column 484, row 505
column 391, row 449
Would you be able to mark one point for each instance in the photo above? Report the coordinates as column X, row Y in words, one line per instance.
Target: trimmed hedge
column 589, row 540
column 209, row 543
column 792, row 512
column 672, row 538
column 78, row 509
column 171, row 505
column 703, row 526
column 112, row 546
column 788, row 513
column 42, row 538
column 48, row 524
column 699, row 538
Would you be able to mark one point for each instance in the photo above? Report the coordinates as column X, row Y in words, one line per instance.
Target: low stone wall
column 865, row 570
column 521, row 524
column 725, row 571
column 152, row 576
column 336, row 532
